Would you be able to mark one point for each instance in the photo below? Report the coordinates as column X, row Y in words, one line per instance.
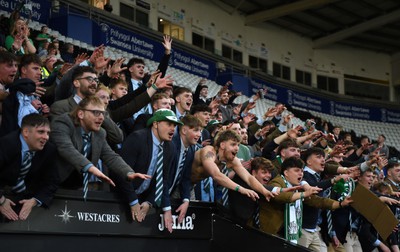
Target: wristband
column 281, row 190
column 301, row 196
column 4, row 201
column 154, row 86
column 340, row 204
column 237, row 188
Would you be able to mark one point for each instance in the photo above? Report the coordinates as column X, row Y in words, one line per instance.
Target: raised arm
column 250, row 180
column 208, row 158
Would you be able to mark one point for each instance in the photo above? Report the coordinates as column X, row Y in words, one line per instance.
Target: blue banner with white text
column 37, row 10
column 314, row 103
column 137, row 44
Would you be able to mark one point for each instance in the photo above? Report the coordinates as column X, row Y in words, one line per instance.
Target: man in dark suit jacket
column 179, row 181
column 140, row 150
column 314, row 159
column 243, row 208
column 22, row 189
column 200, row 95
column 68, row 135
column 10, row 106
column 203, row 112
column 137, row 76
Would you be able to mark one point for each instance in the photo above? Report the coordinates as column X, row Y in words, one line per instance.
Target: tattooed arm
column 208, row 158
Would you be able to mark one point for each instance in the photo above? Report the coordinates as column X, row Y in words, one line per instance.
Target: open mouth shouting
column 299, row 179
column 170, row 134
column 188, row 104
column 98, row 124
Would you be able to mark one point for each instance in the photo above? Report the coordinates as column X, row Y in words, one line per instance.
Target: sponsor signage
column 37, row 10
column 314, row 103
column 108, row 218
column 137, row 44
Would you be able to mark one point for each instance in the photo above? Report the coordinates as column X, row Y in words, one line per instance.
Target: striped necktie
column 159, row 176
column 85, row 152
column 256, row 216
column 329, row 212
column 224, row 189
column 206, row 185
column 181, row 165
column 318, row 177
column 25, row 166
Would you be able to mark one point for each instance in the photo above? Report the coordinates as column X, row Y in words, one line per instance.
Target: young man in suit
column 314, row 159
column 183, row 101
column 203, row 112
column 245, row 210
column 150, row 151
column 201, row 93
column 180, row 185
column 28, row 175
column 81, row 142
column 137, row 76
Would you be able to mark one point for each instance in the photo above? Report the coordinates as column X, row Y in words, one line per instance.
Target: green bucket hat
column 164, row 115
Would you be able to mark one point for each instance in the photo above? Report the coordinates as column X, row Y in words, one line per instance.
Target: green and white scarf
column 293, row 217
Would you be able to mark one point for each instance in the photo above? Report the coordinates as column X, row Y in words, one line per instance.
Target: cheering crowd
column 84, row 122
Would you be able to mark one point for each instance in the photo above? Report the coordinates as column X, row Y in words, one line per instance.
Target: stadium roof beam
column 284, row 10
column 356, row 29
column 237, row 6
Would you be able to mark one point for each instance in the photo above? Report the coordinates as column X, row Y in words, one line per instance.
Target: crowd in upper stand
column 84, row 122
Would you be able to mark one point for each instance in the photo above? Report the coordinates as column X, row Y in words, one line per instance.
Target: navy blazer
column 196, row 96
column 141, row 122
column 137, row 152
column 42, row 179
column 162, row 67
column 185, row 185
column 310, row 214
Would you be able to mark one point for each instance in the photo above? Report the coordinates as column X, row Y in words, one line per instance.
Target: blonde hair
column 101, row 86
